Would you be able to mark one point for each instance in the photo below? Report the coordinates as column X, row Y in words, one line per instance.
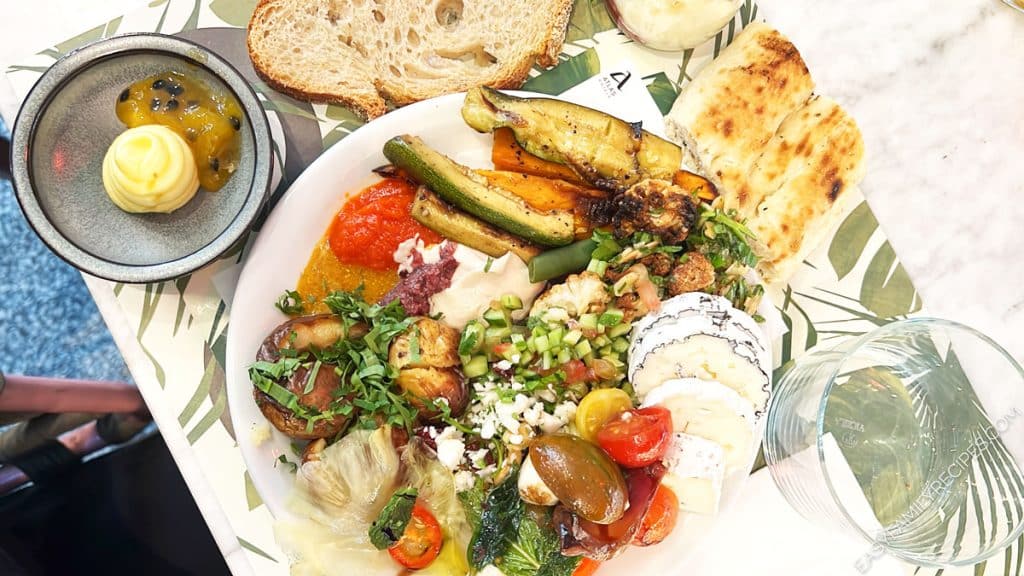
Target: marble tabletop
column 935, row 86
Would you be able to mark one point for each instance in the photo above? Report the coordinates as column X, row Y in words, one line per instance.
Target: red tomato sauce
column 373, row 223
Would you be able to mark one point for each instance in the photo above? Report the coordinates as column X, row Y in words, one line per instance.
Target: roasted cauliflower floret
column 438, row 346
column 655, row 206
column 579, row 294
column 693, row 274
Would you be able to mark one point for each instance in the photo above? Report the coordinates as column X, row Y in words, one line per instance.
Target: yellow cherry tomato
column 597, row 408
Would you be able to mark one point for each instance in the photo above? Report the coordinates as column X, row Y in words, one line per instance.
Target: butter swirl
column 150, row 169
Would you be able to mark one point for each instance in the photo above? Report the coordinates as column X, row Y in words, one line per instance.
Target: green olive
column 583, row 477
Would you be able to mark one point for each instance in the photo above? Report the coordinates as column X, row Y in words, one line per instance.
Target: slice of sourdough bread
column 366, row 53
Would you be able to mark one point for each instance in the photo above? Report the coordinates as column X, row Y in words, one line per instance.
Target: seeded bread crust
column 345, row 52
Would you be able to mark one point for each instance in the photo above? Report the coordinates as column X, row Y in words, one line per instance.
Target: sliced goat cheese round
column 681, row 306
column 709, row 410
column 685, row 317
column 695, row 472
column 680, row 351
column 531, row 488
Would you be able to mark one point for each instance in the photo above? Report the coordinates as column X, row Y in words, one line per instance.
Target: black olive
column 235, row 122
column 175, row 89
column 123, row 96
column 172, row 104
column 154, row 104
column 158, row 84
column 214, row 164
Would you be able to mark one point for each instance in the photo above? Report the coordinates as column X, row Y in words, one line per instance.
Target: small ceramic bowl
column 60, row 138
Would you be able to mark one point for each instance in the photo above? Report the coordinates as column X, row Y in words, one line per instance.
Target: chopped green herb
column 292, row 466
column 488, row 264
column 291, row 303
column 360, row 363
column 393, row 518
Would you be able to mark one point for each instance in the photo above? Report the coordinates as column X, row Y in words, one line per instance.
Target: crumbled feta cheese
column 449, row 433
column 515, row 439
column 490, row 570
column 487, row 471
column 449, row 452
column 547, row 395
column 550, row 423
column 565, row 411
column 517, row 385
column 515, row 358
column 478, row 458
column 503, row 365
column 488, row 430
column 464, row 480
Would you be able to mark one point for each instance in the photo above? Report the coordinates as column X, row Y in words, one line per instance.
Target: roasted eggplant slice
column 603, row 150
column 301, row 334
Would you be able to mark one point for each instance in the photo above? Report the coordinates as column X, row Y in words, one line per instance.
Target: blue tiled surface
column 49, row 325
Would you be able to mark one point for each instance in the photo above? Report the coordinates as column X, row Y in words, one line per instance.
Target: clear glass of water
column 910, row 436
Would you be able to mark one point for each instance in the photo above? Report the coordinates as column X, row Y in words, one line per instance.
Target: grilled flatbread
column 784, row 159
column 797, row 189
column 727, row 114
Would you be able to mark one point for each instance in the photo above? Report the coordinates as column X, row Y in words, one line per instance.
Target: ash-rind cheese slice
column 696, row 470
column 696, row 348
column 681, row 306
column 718, row 313
column 711, row 411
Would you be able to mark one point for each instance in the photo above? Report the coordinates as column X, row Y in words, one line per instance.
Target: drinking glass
column 910, row 436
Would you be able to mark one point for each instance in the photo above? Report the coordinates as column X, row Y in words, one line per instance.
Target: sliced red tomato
column 660, row 519
column 637, row 438
column 586, row 568
column 420, row 543
column 501, row 348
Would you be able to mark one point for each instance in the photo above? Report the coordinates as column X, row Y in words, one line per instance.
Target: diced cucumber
column 546, row 360
column 583, row 348
column 610, row 317
column 477, row 366
column 620, row 344
column 555, row 336
column 511, row 302
column 564, row 355
column 541, row 342
column 472, row 338
column 496, row 317
column 606, row 351
column 620, row 330
column 572, row 337
column 600, row 341
column 589, row 321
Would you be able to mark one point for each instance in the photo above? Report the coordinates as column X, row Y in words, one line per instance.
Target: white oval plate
column 279, row 256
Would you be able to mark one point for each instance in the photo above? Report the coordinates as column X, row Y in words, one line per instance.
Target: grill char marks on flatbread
column 727, row 114
column 782, row 157
column 797, row 189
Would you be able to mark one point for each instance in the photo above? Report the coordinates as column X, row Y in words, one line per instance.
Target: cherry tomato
column 598, row 407
column 586, row 568
column 637, row 438
column 660, row 519
column 577, row 371
column 420, row 543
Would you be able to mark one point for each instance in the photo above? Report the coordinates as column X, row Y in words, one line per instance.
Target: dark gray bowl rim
column 65, row 69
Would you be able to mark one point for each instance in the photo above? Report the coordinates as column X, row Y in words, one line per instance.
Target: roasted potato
column 438, row 346
column 318, row 331
column 432, row 384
